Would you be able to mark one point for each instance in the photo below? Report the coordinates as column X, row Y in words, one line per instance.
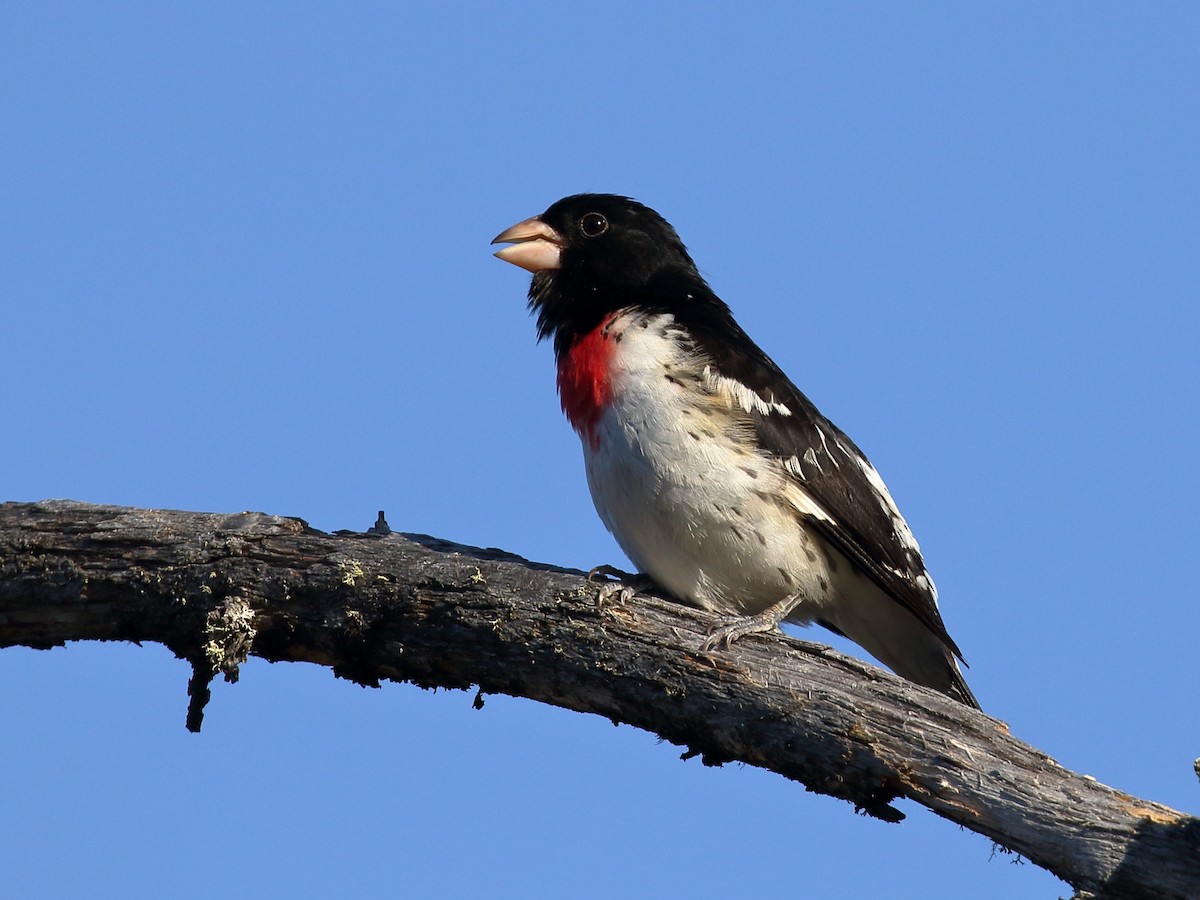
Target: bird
column 718, row 478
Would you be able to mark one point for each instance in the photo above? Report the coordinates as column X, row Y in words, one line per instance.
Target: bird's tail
column 896, row 638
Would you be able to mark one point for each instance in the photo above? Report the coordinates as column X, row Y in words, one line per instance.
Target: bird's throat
column 584, row 380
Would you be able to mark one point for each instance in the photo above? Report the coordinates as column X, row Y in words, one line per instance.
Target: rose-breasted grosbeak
column 719, row 479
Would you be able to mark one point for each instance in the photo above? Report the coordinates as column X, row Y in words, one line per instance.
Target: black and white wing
column 863, row 522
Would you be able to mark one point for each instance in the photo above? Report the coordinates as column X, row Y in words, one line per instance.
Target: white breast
column 675, row 477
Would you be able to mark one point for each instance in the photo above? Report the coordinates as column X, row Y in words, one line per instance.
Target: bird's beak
column 535, row 245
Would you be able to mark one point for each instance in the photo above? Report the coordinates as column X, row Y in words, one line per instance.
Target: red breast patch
column 584, row 385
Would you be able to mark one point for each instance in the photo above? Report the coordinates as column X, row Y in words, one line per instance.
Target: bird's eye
column 593, row 225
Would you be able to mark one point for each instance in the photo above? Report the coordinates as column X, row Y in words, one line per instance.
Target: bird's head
column 592, row 254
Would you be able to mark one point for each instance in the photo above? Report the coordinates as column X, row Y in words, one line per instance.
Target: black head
column 592, row 254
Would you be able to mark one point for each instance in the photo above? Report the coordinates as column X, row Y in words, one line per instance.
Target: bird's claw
column 619, row 592
column 613, row 594
column 722, row 636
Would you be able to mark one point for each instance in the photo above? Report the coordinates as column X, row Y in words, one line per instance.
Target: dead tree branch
column 217, row 588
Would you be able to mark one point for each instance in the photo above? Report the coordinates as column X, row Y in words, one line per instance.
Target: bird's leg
column 624, row 589
column 768, row 620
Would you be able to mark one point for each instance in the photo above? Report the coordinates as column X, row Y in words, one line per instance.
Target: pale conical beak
column 535, row 245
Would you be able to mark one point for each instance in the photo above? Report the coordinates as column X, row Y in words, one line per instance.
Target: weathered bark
column 215, row 588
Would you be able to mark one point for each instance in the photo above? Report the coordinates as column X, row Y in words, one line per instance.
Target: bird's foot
column 619, row 592
column 738, row 627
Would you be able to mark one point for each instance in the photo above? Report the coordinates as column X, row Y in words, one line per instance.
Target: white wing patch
column 903, row 532
column 813, row 457
column 792, row 465
column 737, row 394
column 825, row 447
column 916, row 573
column 804, row 502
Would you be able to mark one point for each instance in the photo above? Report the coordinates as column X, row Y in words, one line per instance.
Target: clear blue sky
column 244, row 264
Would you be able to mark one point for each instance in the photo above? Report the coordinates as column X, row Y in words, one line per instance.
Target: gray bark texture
column 218, row 588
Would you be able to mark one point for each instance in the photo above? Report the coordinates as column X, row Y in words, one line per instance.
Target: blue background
column 244, row 264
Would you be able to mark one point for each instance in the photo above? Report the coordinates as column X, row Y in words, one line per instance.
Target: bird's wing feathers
column 863, row 522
